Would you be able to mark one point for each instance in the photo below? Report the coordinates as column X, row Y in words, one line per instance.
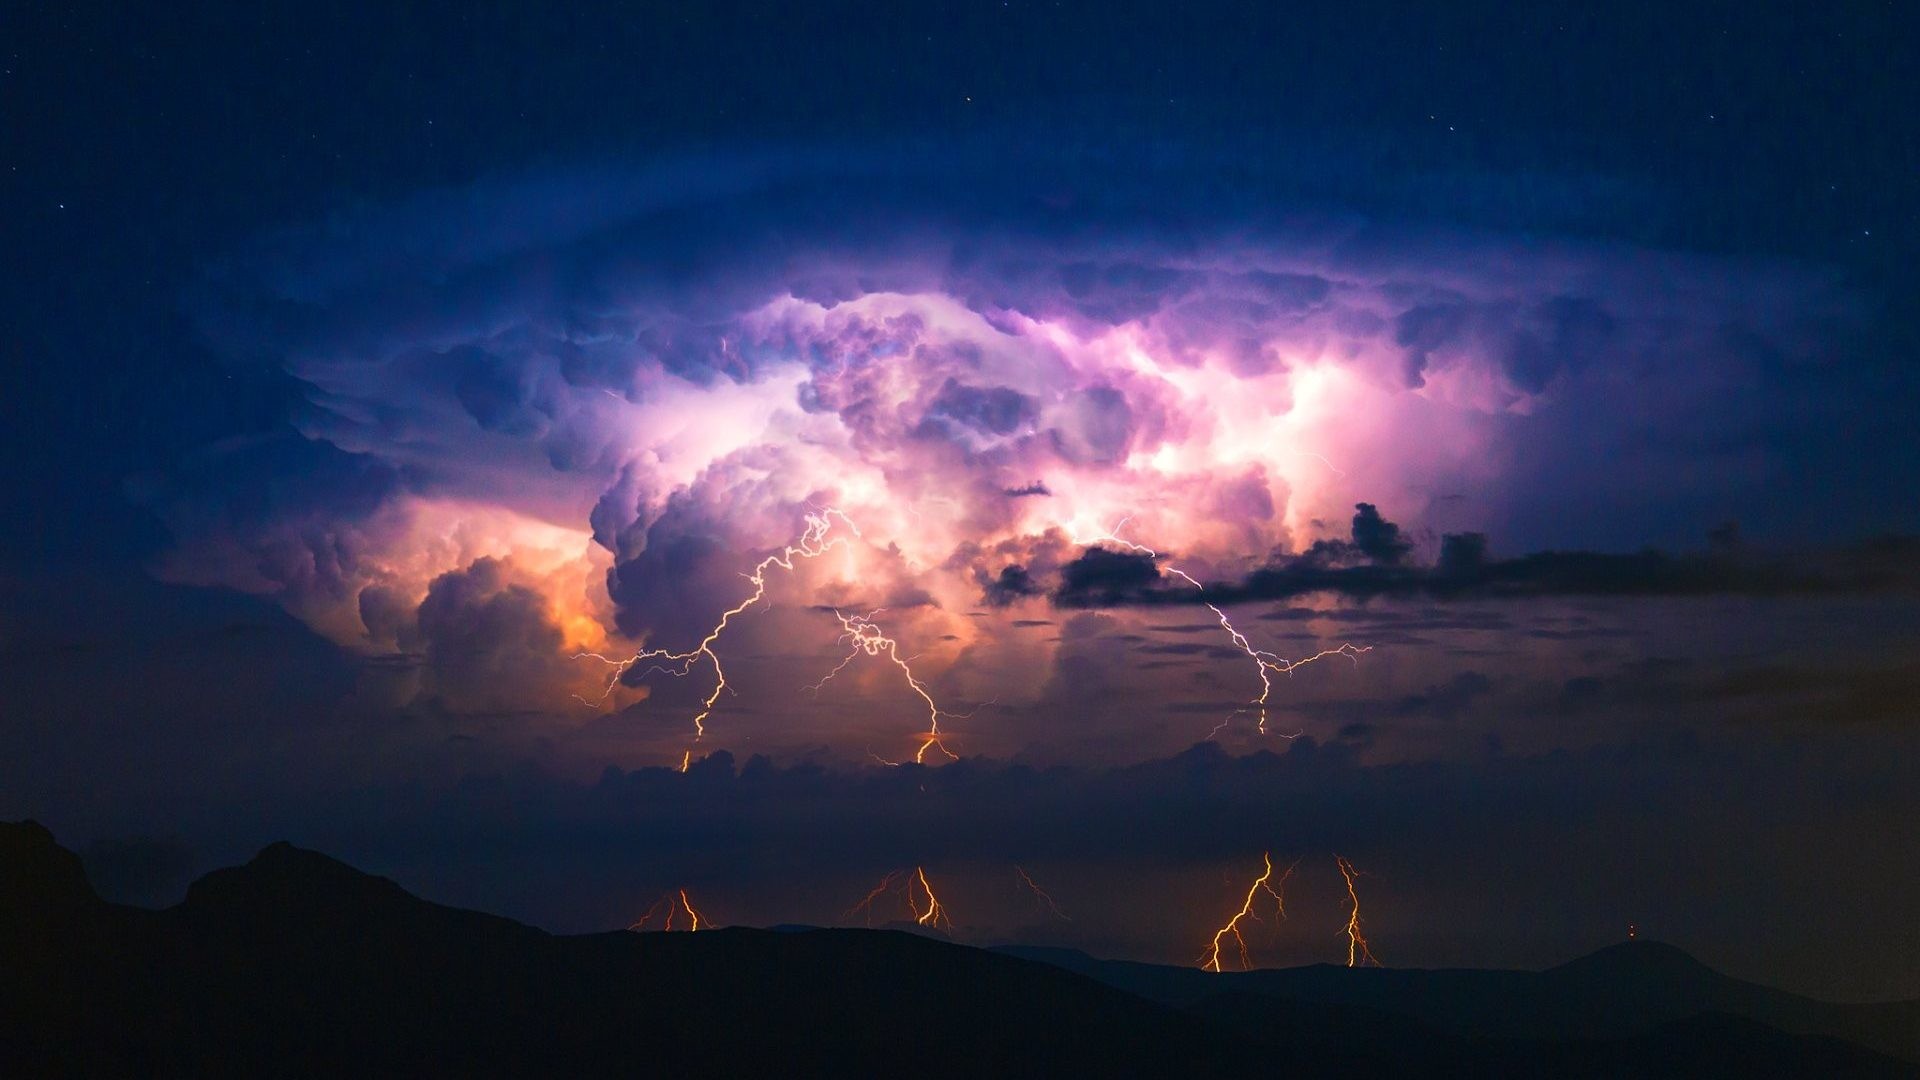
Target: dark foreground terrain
column 297, row 964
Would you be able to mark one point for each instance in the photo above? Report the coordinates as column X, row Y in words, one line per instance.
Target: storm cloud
column 983, row 403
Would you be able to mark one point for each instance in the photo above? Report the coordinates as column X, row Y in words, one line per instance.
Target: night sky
column 1543, row 383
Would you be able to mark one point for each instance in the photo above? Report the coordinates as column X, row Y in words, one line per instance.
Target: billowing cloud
column 631, row 386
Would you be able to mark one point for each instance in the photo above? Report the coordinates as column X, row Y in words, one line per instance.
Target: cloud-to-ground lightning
column 1267, row 663
column 1358, row 954
column 1210, row 959
column 866, row 902
column 1046, row 898
column 674, row 903
column 867, row 639
column 933, row 914
column 813, row 543
column 936, row 913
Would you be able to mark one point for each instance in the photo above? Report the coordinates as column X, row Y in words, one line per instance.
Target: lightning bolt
column 1322, row 459
column 866, row 902
column 867, row 639
column 1034, row 888
column 1358, row 955
column 1210, row 959
column 674, row 903
column 1267, row 664
column 812, row 543
column 641, row 923
column 934, row 914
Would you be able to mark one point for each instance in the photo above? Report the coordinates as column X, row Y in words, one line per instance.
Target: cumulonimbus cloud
column 613, row 390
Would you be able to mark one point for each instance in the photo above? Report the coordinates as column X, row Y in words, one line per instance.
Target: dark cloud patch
column 990, row 410
column 1420, row 331
column 1360, row 733
column 1012, row 583
column 265, row 479
column 490, row 643
column 1463, row 554
column 495, row 391
column 1372, row 539
column 1562, row 333
column 387, row 615
column 297, row 513
column 1377, row 538
column 1534, row 343
column 1464, row 571
column 1101, row 576
column 1026, row 491
column 645, row 586
column 1583, row 573
column 1118, row 291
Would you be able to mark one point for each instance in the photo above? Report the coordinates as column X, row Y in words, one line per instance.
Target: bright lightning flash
column 1210, row 960
column 1267, row 663
column 812, row 544
column 673, row 904
column 934, row 914
column 1358, row 955
column 867, row 639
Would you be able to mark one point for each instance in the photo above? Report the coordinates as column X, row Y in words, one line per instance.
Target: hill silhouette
column 1622, row 991
column 297, row 964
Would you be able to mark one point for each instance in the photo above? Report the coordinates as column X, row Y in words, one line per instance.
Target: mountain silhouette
column 296, row 964
column 1622, row 991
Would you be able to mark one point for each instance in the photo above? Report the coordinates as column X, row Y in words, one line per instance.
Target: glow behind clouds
column 579, row 438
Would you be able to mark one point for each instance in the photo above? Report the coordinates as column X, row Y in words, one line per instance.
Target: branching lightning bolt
column 867, row 639
column 934, row 914
column 674, row 903
column 812, row 544
column 1033, row 887
column 1267, row 663
column 866, row 902
column 1358, row 954
column 1210, row 959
